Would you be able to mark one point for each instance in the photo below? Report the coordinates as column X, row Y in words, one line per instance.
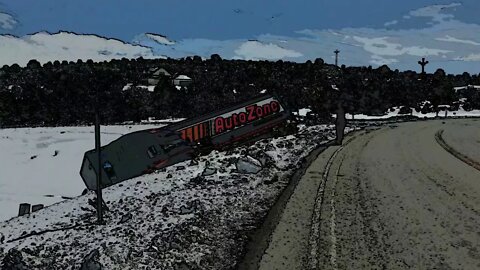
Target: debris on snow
column 91, row 261
column 209, row 171
column 248, row 164
column 14, row 261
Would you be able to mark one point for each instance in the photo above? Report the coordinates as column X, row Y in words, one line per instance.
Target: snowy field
column 193, row 215
column 40, row 165
column 458, row 113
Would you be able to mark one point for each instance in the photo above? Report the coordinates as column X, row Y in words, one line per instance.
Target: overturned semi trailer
column 145, row 151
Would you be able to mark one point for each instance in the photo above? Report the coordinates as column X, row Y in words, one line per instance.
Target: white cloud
column 46, row 47
column 160, row 39
column 379, row 60
column 390, row 23
column 435, row 12
column 381, row 46
column 270, row 51
column 448, row 38
column 469, row 58
column 7, row 22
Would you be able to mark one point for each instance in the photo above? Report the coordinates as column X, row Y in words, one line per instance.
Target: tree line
column 66, row 93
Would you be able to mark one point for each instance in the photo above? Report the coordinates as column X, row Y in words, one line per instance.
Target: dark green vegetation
column 62, row 93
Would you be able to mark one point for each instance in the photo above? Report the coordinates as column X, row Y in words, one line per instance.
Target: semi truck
column 145, row 151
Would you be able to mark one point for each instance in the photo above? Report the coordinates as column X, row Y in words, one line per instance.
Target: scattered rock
column 270, row 147
column 169, row 176
column 289, row 145
column 197, row 180
column 264, row 159
column 56, row 153
column 33, row 157
column 90, row 262
column 125, row 218
column 209, row 171
column 242, row 180
column 248, row 165
column 14, row 261
column 272, row 180
column 182, row 266
column 179, row 168
column 193, row 162
column 185, row 210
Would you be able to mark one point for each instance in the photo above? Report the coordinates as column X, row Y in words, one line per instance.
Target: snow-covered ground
column 458, row 113
column 40, row 165
column 172, row 219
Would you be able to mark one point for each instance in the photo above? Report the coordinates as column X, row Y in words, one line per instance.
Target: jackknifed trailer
column 145, row 151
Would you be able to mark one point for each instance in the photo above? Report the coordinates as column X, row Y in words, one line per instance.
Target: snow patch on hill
column 160, row 39
column 44, row 47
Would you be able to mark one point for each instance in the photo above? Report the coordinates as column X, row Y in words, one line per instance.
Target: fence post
column 24, row 209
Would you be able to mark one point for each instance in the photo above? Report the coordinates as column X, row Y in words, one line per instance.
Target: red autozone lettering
column 252, row 113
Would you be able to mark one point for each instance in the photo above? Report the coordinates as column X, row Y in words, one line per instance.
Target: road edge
column 259, row 239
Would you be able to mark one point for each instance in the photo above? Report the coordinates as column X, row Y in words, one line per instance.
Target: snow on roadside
column 169, row 219
column 40, row 165
column 458, row 113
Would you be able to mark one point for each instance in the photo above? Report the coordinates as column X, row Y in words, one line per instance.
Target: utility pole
column 99, row 156
column 423, row 63
column 336, row 57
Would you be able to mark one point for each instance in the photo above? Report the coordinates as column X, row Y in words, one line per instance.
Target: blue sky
column 210, row 19
column 296, row 30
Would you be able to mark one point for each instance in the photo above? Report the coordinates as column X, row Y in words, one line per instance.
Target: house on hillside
column 156, row 74
column 182, row 81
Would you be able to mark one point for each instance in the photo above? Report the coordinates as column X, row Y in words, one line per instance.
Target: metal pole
column 336, row 57
column 99, row 172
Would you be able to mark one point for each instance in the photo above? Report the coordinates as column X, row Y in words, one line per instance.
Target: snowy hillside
column 193, row 215
column 67, row 46
column 40, row 165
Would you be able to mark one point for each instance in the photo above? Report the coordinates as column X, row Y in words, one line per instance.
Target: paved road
column 393, row 199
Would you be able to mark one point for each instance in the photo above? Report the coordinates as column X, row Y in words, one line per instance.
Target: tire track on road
column 314, row 231
column 455, row 153
column 333, row 237
column 313, row 259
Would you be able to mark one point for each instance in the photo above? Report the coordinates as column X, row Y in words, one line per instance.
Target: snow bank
column 458, row 113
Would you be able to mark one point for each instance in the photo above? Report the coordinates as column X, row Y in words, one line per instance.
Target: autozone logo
column 251, row 113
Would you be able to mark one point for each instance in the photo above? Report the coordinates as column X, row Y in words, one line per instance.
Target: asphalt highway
column 389, row 198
